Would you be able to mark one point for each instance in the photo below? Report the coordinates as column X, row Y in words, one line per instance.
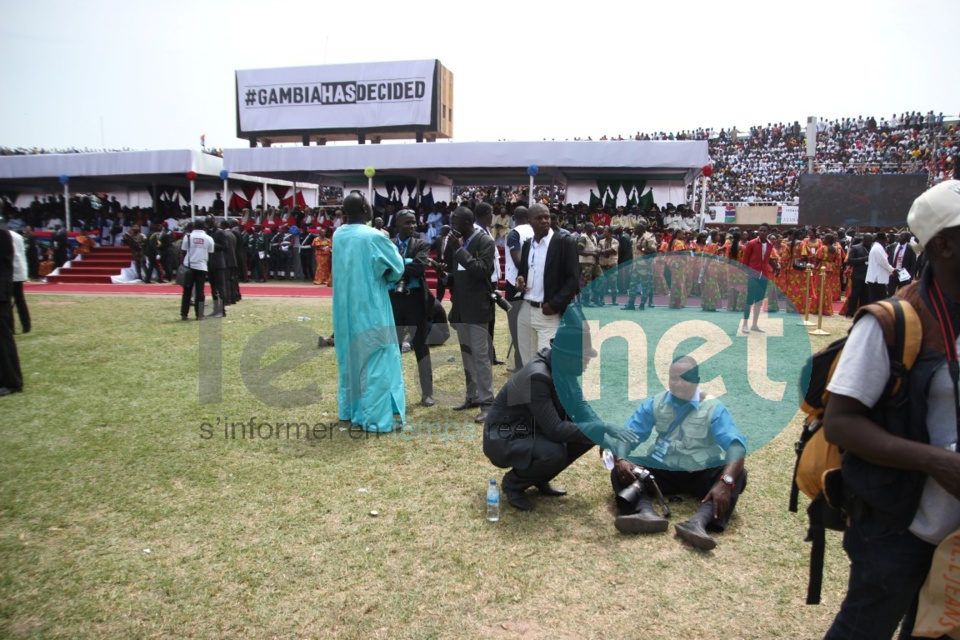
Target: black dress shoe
column 499, row 362
column 428, row 401
column 518, row 500
column 482, row 416
column 549, row 490
column 467, row 404
column 695, row 535
column 5, row 391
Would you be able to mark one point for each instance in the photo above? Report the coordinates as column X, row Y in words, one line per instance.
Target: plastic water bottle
column 493, row 502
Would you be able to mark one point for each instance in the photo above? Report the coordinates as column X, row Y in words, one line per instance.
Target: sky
column 156, row 75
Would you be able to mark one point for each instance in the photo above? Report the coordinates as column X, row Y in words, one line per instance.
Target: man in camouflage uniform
column 137, row 243
column 644, row 244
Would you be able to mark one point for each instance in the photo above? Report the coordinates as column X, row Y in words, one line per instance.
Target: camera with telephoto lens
column 501, row 301
column 644, row 482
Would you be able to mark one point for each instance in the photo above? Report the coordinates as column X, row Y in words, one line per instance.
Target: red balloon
column 707, row 171
column 191, row 175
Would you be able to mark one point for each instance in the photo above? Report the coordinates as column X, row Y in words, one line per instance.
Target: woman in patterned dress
column 710, row 285
column 323, row 249
column 829, row 255
column 679, row 263
column 736, row 278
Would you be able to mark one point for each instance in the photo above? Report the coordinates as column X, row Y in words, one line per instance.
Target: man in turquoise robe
column 365, row 262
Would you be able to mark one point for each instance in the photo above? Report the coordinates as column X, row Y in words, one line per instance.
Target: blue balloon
column 223, row 174
column 533, row 170
column 64, row 179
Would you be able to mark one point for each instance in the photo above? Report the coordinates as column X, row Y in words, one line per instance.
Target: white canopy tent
column 659, row 164
column 127, row 170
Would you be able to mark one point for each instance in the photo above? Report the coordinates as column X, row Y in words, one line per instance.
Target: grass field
column 127, row 511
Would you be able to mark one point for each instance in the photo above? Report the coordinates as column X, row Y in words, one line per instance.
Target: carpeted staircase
column 95, row 268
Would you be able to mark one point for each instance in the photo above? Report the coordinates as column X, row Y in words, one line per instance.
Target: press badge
column 660, row 449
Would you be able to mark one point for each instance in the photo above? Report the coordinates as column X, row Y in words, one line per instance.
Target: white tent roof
column 477, row 162
column 112, row 170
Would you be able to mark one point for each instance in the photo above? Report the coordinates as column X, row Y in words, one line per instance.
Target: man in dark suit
column 472, row 264
column 442, row 249
column 410, row 300
column 217, row 266
column 857, row 260
column 549, row 278
column 11, row 378
column 901, row 256
column 59, row 243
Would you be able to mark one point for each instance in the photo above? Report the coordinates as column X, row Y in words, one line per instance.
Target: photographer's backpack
column 817, row 471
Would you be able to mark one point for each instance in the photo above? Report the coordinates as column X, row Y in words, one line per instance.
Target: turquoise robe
column 371, row 388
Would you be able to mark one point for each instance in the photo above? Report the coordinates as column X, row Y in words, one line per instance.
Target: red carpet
column 252, row 290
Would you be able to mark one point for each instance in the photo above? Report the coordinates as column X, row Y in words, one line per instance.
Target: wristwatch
column 728, row 480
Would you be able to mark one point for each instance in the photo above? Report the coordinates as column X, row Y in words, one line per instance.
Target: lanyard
column 950, row 343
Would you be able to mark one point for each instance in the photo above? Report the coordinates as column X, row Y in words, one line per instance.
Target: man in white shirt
column 197, row 246
column 19, row 277
column 878, row 269
column 548, row 278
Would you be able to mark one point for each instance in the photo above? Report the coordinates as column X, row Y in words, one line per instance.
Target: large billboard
column 836, row 199
column 365, row 98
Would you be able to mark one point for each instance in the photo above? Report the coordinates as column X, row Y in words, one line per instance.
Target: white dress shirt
column 536, row 265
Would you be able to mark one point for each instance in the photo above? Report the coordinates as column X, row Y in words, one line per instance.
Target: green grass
column 104, row 457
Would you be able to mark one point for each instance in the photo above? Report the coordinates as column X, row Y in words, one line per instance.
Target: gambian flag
column 729, row 214
column 779, row 214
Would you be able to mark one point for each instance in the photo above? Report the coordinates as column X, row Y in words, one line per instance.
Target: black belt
column 535, row 305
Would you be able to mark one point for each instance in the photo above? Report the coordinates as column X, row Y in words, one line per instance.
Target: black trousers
column 858, row 295
column 153, row 264
column 548, row 461
column 756, row 292
column 193, row 286
column 696, row 484
column 409, row 314
column 218, row 281
column 10, row 375
column 257, row 267
column 21, row 303
column 876, row 291
column 308, row 265
column 234, row 274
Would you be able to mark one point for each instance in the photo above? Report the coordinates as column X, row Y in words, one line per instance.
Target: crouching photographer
column 530, row 431
column 696, row 450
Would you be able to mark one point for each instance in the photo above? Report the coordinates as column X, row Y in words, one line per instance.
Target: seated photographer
column 696, row 450
column 529, row 429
